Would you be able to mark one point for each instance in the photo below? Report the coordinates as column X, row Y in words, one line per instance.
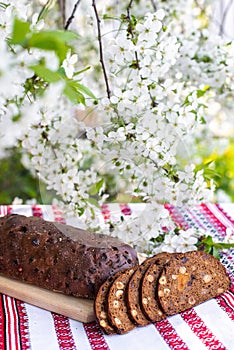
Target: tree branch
column 72, row 16
column 108, row 91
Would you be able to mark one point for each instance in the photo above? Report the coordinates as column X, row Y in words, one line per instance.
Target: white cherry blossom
column 165, row 70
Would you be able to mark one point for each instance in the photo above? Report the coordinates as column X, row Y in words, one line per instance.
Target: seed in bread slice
column 116, row 303
column 149, row 300
column 189, row 279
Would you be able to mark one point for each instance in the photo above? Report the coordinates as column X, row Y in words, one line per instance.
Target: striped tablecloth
column 207, row 326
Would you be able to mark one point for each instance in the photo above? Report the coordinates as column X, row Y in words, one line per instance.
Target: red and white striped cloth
column 206, row 326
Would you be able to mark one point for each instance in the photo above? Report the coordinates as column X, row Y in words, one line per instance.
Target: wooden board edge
column 73, row 307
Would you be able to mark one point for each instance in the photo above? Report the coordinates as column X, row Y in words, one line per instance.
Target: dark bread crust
column 189, row 279
column 60, row 257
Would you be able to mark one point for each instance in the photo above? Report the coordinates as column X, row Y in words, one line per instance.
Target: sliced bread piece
column 149, row 301
column 189, row 279
column 100, row 306
column 116, row 303
column 133, row 294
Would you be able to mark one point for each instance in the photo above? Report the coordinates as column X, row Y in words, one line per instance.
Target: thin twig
column 108, row 91
column 216, row 22
column 224, row 15
column 130, row 29
column 129, row 8
column 154, row 5
column 70, row 19
column 62, row 7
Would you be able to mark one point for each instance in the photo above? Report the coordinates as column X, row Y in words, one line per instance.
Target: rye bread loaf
column 60, row 257
column 189, row 279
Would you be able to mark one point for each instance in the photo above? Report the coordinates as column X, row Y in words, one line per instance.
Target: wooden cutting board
column 77, row 308
column 73, row 307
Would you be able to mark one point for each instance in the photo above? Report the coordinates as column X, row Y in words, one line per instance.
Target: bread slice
column 149, row 301
column 189, row 279
column 116, row 303
column 133, row 294
column 100, row 306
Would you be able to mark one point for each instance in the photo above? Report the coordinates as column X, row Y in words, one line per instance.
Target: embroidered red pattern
column 2, row 324
column 201, row 330
column 225, row 304
column 106, row 212
column 3, row 210
column 37, row 211
column 218, row 206
column 95, row 336
column 170, row 336
column 58, row 215
column 176, row 216
column 23, row 325
column 11, row 331
column 125, row 209
column 214, row 221
column 63, row 332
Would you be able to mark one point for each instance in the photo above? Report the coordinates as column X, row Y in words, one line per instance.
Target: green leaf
column 46, row 74
column 208, row 241
column 221, row 245
column 17, row 117
column 208, row 249
column 215, row 252
column 93, row 202
column 84, row 90
column 202, row 92
column 61, row 35
column 212, row 247
column 45, row 38
column 186, row 101
column 205, row 58
column 80, row 211
column 62, row 72
column 203, row 120
column 20, row 31
column 48, row 41
column 74, row 96
column 75, row 91
column 95, row 188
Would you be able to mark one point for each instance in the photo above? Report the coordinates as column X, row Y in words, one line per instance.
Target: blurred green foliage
column 224, row 167
column 15, row 180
